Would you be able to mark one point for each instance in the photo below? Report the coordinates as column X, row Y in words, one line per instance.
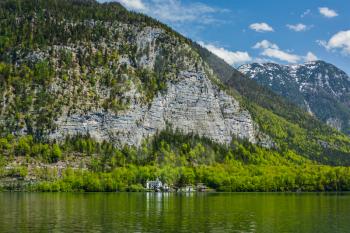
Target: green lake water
column 157, row 212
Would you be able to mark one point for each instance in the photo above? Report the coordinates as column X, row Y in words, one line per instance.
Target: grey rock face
column 191, row 104
column 335, row 123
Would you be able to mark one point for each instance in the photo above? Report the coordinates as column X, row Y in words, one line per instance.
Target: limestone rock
column 192, row 104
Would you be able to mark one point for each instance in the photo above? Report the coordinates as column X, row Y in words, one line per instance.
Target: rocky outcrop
column 191, row 104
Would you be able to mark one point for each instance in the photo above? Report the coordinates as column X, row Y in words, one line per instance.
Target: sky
column 246, row 31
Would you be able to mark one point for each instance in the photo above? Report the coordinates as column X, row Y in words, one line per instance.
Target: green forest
column 173, row 157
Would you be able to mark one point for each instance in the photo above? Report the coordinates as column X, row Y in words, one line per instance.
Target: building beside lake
column 187, row 189
column 157, row 186
column 201, row 187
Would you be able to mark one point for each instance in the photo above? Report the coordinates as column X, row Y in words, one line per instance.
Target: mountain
column 97, row 98
column 116, row 81
column 318, row 87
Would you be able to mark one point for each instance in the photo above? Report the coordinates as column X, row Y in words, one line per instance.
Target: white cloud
column 261, row 27
column 272, row 51
column 329, row 13
column 263, row 60
column 281, row 55
column 297, row 27
column 175, row 11
column 310, row 57
column 133, row 4
column 232, row 58
column 322, row 43
column 265, row 44
column 340, row 40
column 305, row 13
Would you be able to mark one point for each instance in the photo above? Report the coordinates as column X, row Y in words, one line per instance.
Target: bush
column 135, row 188
column 19, row 172
column 56, row 153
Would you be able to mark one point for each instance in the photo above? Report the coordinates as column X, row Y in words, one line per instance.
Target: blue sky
column 245, row 31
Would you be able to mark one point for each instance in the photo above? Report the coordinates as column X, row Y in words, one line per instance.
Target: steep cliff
column 192, row 105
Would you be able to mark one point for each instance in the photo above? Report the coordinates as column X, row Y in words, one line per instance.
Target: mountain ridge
column 318, row 87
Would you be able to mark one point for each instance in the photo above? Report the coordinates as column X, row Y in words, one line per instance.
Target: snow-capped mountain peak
column 317, row 86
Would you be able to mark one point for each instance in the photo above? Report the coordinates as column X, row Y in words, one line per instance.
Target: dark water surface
column 156, row 212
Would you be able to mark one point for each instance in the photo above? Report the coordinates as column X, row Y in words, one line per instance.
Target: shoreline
column 177, row 193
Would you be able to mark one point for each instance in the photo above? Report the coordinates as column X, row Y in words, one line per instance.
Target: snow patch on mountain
column 320, row 88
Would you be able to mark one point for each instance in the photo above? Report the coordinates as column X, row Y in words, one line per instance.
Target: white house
column 154, row 185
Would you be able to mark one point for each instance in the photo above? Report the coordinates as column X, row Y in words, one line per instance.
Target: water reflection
column 172, row 212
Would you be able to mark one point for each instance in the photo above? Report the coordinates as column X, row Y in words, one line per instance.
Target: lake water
column 156, row 212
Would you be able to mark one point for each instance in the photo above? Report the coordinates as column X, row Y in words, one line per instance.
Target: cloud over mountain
column 272, row 51
column 339, row 41
column 232, row 58
column 174, row 11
